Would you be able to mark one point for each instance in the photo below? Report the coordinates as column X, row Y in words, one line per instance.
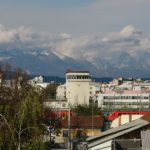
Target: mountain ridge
column 51, row 64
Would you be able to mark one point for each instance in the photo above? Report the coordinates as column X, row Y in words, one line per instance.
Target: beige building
column 79, row 88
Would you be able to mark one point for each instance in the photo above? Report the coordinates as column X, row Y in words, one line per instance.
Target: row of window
column 78, row 77
column 126, row 97
column 125, row 103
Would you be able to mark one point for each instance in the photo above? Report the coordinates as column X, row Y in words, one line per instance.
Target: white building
column 38, row 82
column 143, row 86
column 61, row 92
column 79, row 88
column 130, row 99
column 129, row 94
column 94, row 91
column 60, row 105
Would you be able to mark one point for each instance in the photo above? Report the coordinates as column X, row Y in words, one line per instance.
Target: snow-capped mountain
column 124, row 53
column 51, row 64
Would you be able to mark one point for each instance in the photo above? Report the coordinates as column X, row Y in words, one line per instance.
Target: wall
column 78, row 90
column 61, row 92
column 122, row 119
column 60, row 137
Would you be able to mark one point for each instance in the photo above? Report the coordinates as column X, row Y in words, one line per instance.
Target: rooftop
column 125, row 92
column 76, row 71
column 119, row 131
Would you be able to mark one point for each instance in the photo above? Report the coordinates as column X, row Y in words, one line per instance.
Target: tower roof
column 76, row 71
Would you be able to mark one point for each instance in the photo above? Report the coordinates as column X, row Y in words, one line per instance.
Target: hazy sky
column 76, row 17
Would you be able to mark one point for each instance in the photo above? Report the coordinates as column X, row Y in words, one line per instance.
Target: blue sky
column 76, row 17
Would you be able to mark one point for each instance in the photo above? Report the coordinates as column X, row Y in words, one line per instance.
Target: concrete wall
column 77, row 90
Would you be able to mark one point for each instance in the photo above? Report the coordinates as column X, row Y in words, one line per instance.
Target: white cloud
column 129, row 39
column 65, row 35
column 129, row 31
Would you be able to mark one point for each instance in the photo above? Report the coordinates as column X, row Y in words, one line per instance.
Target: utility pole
column 92, row 118
column 69, row 129
column 50, row 126
column 50, row 137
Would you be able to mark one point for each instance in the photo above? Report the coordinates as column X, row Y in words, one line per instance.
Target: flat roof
column 77, row 71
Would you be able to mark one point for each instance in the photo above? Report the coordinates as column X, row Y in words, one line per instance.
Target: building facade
column 125, row 100
column 79, row 88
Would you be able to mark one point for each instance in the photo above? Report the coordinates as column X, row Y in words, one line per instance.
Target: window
column 65, row 133
column 63, row 105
